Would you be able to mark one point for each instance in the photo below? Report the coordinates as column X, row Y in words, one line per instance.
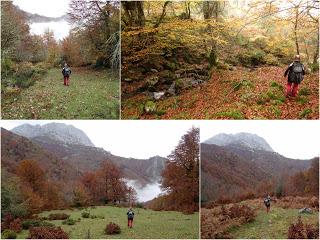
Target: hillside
column 15, row 148
column 235, row 169
column 57, row 140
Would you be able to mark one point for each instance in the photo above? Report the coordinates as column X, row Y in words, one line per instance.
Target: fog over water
column 147, row 192
column 61, row 29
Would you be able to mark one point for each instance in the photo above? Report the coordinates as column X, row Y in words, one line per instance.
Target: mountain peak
column 243, row 139
column 57, row 131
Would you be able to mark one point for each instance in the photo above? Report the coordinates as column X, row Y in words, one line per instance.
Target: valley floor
column 91, row 95
column 147, row 224
column 241, row 94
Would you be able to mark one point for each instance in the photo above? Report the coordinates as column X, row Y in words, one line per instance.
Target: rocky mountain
column 67, row 134
column 246, row 140
column 233, row 165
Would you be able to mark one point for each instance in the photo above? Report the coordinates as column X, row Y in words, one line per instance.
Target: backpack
column 66, row 71
column 297, row 70
column 266, row 201
column 297, row 67
column 130, row 214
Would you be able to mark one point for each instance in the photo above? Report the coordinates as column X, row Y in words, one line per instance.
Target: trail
column 241, row 94
column 91, row 95
column 272, row 225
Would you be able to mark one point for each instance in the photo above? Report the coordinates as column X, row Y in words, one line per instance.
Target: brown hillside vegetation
column 233, row 173
column 218, row 221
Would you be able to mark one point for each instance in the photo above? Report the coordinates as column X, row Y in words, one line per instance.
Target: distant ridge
column 247, row 140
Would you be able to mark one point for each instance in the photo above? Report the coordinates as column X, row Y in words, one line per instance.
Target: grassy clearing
column 147, row 224
column 91, row 95
column 272, row 225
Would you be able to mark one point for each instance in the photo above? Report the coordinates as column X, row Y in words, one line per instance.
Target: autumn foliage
column 299, row 230
column 180, row 178
column 47, row 233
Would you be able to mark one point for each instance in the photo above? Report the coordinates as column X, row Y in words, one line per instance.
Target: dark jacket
column 130, row 214
column 66, row 71
column 295, row 72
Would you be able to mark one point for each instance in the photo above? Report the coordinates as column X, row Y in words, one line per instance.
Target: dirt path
column 240, row 94
column 91, row 95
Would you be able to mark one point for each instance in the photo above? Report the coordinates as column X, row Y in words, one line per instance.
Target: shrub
column 314, row 67
column 139, row 205
column 26, row 224
column 241, row 211
column 301, row 231
column 8, row 234
column 85, row 214
column 69, row 221
column 15, row 225
column 8, row 218
column 271, row 60
column 112, row 228
column 47, row 233
column 311, row 231
column 252, row 57
column 58, row 216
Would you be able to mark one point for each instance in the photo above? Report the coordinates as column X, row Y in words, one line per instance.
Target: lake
column 61, row 29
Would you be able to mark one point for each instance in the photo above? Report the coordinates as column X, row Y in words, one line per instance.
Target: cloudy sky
column 137, row 139
column 295, row 139
column 47, row 8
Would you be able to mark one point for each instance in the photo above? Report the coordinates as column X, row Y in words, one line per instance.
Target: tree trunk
column 316, row 54
column 295, row 30
column 162, row 14
column 134, row 14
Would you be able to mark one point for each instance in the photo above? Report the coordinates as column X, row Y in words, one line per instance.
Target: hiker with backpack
column 66, row 72
column 295, row 72
column 130, row 214
column 267, row 202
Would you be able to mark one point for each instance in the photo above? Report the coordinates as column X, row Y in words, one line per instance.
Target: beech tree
column 181, row 173
column 114, row 186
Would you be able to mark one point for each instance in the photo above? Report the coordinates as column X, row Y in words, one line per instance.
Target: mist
column 60, row 29
column 146, row 192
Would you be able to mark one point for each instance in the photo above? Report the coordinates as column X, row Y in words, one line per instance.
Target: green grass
column 233, row 114
column 147, row 224
column 91, row 95
column 272, row 225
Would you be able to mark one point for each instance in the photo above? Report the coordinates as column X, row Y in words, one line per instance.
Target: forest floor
column 241, row 94
column 91, row 95
column 272, row 225
column 147, row 224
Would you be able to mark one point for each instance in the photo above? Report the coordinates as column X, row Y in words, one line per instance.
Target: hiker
column 130, row 214
column 295, row 73
column 267, row 202
column 66, row 72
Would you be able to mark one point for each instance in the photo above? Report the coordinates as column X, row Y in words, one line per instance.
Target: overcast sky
column 137, row 139
column 48, row 8
column 295, row 139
